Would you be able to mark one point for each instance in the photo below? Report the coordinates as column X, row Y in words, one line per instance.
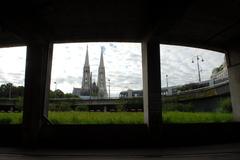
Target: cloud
column 112, row 45
column 123, row 64
column 176, row 61
column 68, row 79
column 12, row 65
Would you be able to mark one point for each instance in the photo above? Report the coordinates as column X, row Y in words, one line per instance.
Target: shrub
column 134, row 103
column 225, row 105
column 61, row 106
column 82, row 108
column 19, row 104
column 5, row 120
column 120, row 105
column 178, row 107
column 120, row 108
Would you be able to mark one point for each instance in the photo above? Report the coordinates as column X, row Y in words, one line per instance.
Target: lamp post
column 55, row 93
column 109, row 88
column 10, row 91
column 55, row 85
column 198, row 67
column 167, row 80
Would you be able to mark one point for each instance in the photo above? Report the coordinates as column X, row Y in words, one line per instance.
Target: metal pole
column 10, row 90
column 55, row 93
column 167, row 80
column 90, row 93
column 198, row 66
column 109, row 88
column 55, row 85
column 199, row 76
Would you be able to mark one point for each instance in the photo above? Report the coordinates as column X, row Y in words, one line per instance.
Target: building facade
column 220, row 72
column 87, row 77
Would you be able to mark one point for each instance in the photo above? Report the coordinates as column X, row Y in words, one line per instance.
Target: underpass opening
column 194, row 85
column 96, row 83
column 12, row 75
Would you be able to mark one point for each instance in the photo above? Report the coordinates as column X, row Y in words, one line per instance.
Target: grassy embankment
column 120, row 117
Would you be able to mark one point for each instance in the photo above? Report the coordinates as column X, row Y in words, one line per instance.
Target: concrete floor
column 226, row 151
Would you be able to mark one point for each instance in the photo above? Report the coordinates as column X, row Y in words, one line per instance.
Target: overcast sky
column 122, row 65
column 12, row 65
column 176, row 62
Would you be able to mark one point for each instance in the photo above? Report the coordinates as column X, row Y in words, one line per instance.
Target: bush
column 61, row 106
column 178, row 107
column 5, row 120
column 81, row 108
column 225, row 105
column 19, row 104
column 120, row 107
column 134, row 103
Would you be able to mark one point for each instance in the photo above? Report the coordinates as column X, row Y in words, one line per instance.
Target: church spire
column 86, row 81
column 101, row 59
column 102, row 89
column 86, row 58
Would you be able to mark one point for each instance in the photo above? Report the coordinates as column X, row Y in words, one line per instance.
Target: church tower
column 86, row 80
column 101, row 84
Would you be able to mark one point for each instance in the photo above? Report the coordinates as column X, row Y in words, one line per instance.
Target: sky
column 123, row 66
column 176, row 62
column 12, row 65
column 122, row 63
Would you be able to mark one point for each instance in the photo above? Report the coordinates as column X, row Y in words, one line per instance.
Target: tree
column 5, row 89
column 70, row 95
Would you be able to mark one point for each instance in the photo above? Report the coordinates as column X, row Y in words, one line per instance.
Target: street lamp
column 55, row 85
column 198, row 58
column 55, row 93
column 109, row 89
column 167, row 80
column 10, row 90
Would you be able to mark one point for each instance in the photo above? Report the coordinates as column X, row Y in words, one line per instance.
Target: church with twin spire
column 90, row 89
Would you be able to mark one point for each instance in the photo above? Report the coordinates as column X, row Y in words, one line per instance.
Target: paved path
column 221, row 152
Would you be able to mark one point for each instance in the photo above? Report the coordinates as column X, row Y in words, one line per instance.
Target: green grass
column 121, row 117
column 198, row 117
column 96, row 117
column 135, row 117
column 10, row 118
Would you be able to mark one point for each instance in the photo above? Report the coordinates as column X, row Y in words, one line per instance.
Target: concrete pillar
column 37, row 80
column 151, row 83
column 233, row 63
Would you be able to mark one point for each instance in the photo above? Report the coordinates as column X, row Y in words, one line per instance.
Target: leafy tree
column 59, row 94
column 56, row 94
column 9, row 90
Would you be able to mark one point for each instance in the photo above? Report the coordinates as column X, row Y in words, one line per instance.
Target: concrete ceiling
column 206, row 24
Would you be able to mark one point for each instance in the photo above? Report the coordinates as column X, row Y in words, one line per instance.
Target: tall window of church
column 195, row 85
column 12, row 73
column 92, row 85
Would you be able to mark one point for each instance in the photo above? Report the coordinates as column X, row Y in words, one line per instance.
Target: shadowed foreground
column 227, row 151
